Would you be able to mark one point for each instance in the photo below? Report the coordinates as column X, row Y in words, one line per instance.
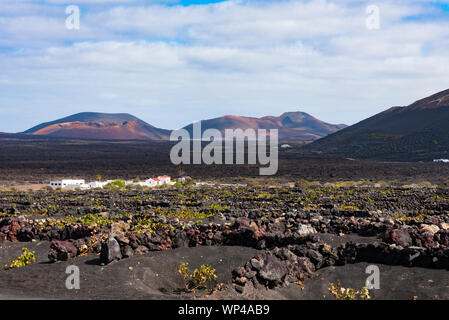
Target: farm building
column 182, row 180
column 441, row 160
column 152, row 182
column 98, row 184
column 68, row 183
column 136, row 183
column 164, row 179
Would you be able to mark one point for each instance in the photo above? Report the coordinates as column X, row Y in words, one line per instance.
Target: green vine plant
column 27, row 257
column 198, row 278
column 341, row 293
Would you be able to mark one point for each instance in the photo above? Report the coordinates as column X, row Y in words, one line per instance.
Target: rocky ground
column 265, row 243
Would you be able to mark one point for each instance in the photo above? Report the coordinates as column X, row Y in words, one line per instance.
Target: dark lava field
column 38, row 160
column 263, row 242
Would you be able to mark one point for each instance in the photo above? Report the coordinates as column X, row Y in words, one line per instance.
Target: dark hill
column 419, row 131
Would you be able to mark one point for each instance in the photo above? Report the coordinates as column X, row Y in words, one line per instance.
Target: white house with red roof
column 152, row 182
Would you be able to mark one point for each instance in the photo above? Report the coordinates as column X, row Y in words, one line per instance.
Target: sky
column 173, row 62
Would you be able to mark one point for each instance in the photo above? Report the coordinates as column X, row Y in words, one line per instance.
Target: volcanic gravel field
column 264, row 242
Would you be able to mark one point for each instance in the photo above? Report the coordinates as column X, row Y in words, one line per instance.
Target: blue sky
column 172, row 62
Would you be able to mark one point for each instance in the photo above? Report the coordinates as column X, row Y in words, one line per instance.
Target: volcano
column 103, row 126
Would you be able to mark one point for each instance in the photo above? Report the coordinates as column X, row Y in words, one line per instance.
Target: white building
column 97, row 184
column 182, row 180
column 152, row 182
column 67, row 183
column 441, row 160
column 140, row 183
column 164, row 179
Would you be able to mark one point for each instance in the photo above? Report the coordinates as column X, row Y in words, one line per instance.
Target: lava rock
column 273, row 269
column 304, row 230
column 256, row 264
column 143, row 249
column 62, row 251
column 127, row 252
column 399, row 236
column 110, row 251
column 119, row 228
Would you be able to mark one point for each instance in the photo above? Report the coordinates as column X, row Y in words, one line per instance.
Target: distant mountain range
column 418, row 131
column 290, row 125
column 123, row 126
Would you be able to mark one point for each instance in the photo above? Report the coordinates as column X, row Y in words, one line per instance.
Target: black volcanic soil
column 37, row 161
column 151, row 279
column 404, row 231
column 149, row 276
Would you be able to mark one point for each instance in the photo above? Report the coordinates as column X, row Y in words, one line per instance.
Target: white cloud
column 247, row 58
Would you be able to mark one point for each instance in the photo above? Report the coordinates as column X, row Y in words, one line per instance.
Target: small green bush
column 302, row 183
column 198, row 278
column 148, row 224
column 115, row 184
column 341, row 293
column 216, row 208
column 344, row 207
column 26, row 258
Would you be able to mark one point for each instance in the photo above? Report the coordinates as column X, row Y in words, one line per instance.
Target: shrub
column 216, row 208
column 198, row 278
column 26, row 258
column 341, row 293
column 302, row 183
column 95, row 219
column 189, row 182
column 115, row 184
column 186, row 213
column 346, row 184
column 148, row 224
column 344, row 207
column 263, row 195
column 439, row 198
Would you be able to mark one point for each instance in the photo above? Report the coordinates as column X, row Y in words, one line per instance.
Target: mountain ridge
column 123, row 126
column 294, row 125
